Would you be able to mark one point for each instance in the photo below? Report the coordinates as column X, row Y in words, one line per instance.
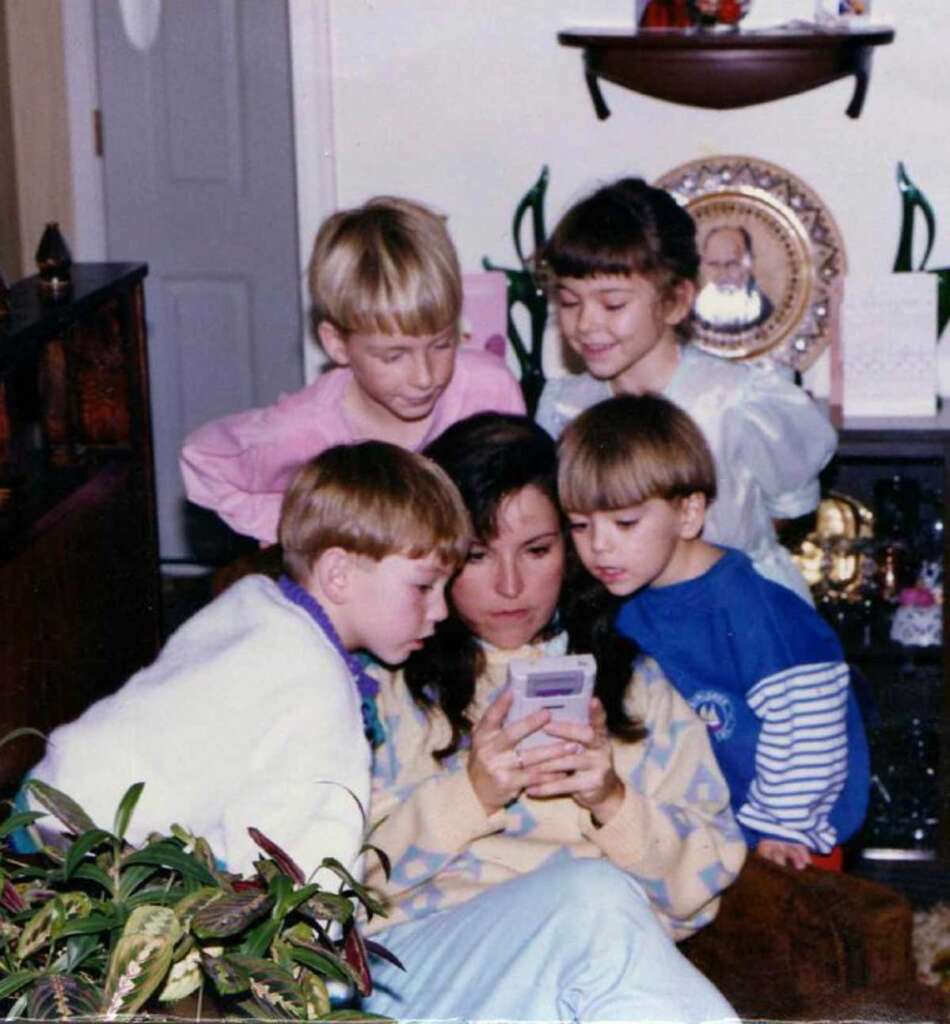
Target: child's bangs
column 414, row 310
column 414, row 303
column 588, row 484
column 580, row 260
column 597, row 239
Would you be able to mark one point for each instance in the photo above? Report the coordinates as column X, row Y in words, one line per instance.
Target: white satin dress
column 769, row 439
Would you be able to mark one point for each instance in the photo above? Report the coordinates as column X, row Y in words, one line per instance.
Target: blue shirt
column 767, row 675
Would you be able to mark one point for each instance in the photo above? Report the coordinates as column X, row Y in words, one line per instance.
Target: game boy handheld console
column 562, row 685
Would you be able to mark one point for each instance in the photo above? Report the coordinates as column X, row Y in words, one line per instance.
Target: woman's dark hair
column 491, row 457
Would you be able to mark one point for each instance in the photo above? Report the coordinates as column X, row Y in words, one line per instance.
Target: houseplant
column 101, row 928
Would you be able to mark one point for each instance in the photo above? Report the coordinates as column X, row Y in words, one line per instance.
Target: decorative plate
column 772, row 260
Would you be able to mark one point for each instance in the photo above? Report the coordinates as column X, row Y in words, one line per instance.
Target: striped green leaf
column 314, row 990
column 63, row 997
column 50, row 921
column 187, row 906
column 63, row 807
column 228, row 978
column 328, row 906
column 184, row 978
column 230, row 913
column 273, row 989
column 138, row 965
column 152, row 920
column 323, row 962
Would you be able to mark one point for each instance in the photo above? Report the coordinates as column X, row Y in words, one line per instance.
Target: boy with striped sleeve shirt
column 757, row 664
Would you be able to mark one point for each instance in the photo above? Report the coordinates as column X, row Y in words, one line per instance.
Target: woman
column 546, row 883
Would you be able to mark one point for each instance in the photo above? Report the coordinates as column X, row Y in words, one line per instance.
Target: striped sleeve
column 801, row 758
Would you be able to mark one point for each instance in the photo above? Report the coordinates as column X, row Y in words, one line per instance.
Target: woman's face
column 508, row 589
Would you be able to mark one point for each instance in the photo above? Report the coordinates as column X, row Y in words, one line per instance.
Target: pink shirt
column 240, row 465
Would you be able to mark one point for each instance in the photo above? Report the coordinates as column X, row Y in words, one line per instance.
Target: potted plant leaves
column 100, row 928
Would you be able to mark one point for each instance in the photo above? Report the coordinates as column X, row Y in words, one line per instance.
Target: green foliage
column 101, row 928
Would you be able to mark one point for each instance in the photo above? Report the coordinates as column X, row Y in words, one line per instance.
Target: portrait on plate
column 771, row 260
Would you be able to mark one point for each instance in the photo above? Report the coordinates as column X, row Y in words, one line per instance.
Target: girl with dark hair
column 623, row 264
column 547, row 882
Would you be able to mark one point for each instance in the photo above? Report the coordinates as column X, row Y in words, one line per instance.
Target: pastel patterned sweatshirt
column 674, row 832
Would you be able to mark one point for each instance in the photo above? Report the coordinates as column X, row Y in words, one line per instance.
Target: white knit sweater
column 248, row 717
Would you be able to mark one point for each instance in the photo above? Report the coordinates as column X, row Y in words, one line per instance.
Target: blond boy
column 255, row 711
column 387, row 296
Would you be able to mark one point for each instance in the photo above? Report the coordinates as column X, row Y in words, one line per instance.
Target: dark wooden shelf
column 33, row 318
column 80, row 608
column 907, row 682
column 724, row 70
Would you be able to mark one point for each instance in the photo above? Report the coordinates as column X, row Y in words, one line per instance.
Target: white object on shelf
column 918, row 627
column 889, row 348
column 843, row 13
column 774, row 13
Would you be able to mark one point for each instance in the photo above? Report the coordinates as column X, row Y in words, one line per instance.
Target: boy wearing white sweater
column 255, row 711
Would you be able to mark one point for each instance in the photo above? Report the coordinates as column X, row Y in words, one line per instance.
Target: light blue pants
column 572, row 941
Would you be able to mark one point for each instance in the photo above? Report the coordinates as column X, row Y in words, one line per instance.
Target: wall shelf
column 725, row 70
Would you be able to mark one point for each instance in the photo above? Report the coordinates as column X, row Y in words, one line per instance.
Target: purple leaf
column 284, row 861
column 11, row 899
column 377, row 949
column 354, row 953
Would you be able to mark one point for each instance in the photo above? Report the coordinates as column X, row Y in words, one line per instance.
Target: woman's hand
column 499, row 772
column 586, row 773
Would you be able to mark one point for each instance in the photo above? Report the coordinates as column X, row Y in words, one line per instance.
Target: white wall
column 460, row 102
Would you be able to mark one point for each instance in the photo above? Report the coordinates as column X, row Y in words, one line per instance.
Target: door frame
column 313, row 127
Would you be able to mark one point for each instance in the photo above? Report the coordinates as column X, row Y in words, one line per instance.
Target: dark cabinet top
column 34, row 319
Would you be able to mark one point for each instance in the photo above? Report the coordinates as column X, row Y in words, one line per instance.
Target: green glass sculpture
column 524, row 287
column 913, row 199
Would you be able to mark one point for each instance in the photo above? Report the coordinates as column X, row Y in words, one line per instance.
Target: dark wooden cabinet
column 79, row 580
column 900, row 469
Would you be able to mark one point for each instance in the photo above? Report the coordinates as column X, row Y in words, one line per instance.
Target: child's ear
column 331, row 572
column 333, row 342
column 678, row 302
column 692, row 515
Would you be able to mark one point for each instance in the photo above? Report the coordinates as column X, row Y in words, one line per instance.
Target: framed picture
column 772, row 260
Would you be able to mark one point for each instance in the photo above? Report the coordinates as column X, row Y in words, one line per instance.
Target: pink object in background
column 485, row 311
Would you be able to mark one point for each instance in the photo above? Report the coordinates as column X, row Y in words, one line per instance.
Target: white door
column 199, row 183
